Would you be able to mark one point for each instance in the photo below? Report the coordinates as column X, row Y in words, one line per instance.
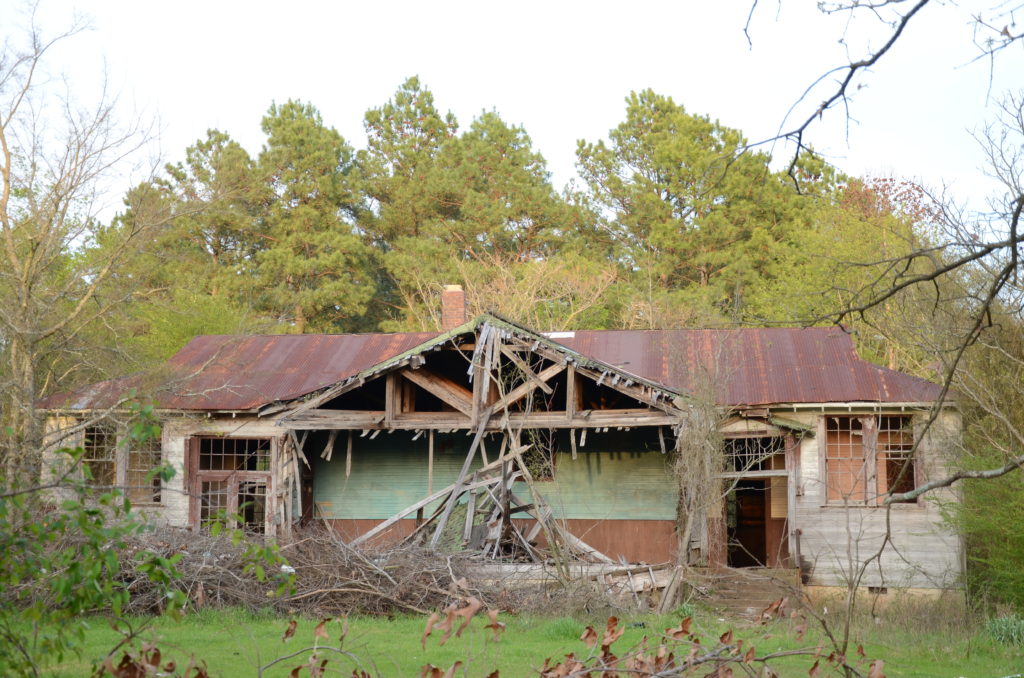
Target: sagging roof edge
column 314, row 398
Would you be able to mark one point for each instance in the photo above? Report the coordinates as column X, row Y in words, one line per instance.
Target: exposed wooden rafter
column 448, row 391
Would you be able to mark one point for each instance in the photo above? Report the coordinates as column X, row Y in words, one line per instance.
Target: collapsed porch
column 499, row 440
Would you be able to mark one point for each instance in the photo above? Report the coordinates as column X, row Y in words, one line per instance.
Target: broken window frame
column 106, row 445
column 234, row 482
column 878, row 453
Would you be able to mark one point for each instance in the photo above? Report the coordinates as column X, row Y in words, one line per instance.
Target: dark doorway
column 746, row 520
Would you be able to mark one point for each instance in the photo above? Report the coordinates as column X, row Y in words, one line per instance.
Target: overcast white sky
column 560, row 69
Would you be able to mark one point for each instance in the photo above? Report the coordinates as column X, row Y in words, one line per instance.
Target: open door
column 756, row 523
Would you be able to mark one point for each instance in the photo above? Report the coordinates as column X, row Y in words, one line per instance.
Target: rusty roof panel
column 220, row 372
column 736, row 367
column 754, row 366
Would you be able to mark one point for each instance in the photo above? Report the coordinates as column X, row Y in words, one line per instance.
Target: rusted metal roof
column 735, row 367
column 222, row 372
column 764, row 366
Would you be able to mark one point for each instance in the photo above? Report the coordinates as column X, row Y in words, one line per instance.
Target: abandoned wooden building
column 495, row 437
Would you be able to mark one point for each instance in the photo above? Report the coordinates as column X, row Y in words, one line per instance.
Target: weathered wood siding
column 834, row 539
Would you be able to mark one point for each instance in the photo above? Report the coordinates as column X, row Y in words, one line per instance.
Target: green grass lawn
column 234, row 643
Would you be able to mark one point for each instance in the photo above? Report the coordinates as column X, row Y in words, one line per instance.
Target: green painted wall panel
column 611, row 485
column 390, row 473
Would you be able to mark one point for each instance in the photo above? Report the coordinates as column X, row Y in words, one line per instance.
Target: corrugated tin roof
column 223, row 372
column 764, row 366
column 737, row 367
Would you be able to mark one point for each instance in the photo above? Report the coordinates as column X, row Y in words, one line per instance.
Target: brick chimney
column 453, row 307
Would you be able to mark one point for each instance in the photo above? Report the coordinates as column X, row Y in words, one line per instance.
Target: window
column 844, row 459
column 760, row 453
column 856, row 445
column 114, row 460
column 896, row 467
column 99, row 447
column 232, row 478
column 141, row 482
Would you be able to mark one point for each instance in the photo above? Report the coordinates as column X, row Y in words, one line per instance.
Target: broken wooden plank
column 297, row 445
column 449, row 505
column 329, row 447
column 414, row 507
column 348, row 456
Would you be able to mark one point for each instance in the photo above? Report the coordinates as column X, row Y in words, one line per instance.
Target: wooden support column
column 391, row 397
column 430, row 462
column 570, row 392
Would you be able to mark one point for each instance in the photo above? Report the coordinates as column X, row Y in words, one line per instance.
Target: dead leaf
column 446, row 625
column 589, row 636
column 290, row 631
column 749, row 656
column 450, row 673
column 430, row 671
column 726, row 638
column 467, row 613
column 611, row 632
column 320, row 631
column 860, row 651
column 814, row 672
column 434, row 616
column 496, row 626
column 876, row 669
column 681, row 631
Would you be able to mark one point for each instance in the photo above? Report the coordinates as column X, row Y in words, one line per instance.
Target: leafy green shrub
column 1006, row 630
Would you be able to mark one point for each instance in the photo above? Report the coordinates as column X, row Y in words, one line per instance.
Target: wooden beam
column 525, row 369
column 456, row 395
column 450, row 504
column 323, row 420
column 633, row 390
column 391, row 405
column 415, row 507
column 571, row 394
column 521, row 391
